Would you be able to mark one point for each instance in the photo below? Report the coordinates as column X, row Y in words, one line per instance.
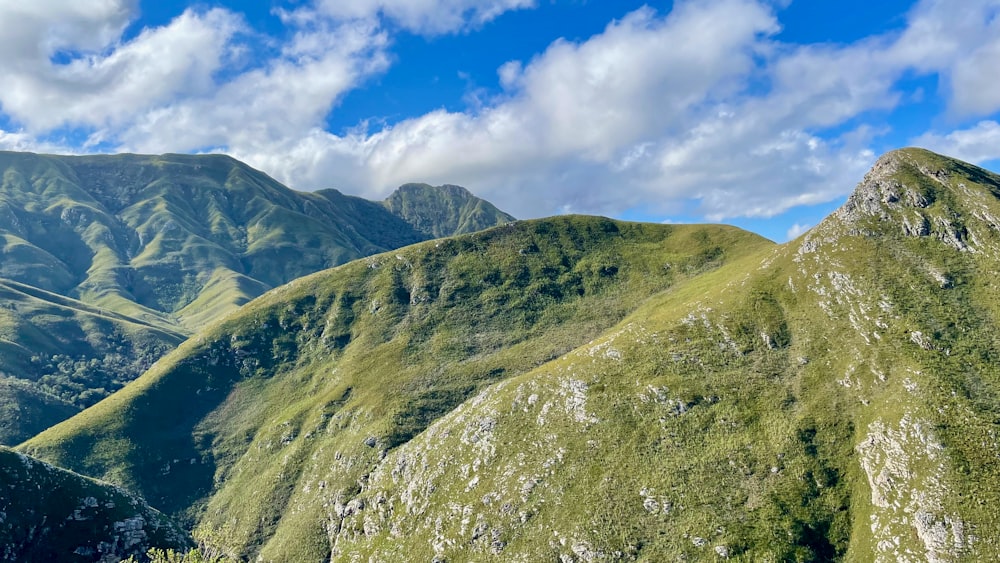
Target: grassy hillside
column 169, row 243
column 303, row 392
column 835, row 398
column 49, row 514
column 579, row 389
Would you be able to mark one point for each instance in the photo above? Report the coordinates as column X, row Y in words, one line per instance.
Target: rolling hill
column 581, row 389
column 107, row 262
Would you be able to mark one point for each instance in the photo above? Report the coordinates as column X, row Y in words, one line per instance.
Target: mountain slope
column 49, row 514
column 578, row 389
column 302, row 392
column 26, row 410
column 168, row 242
column 142, row 234
column 836, row 400
column 58, row 355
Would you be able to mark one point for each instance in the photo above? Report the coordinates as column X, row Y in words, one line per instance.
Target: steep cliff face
column 49, row 514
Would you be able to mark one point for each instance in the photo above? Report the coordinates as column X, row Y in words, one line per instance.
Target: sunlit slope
column 49, row 514
column 143, row 235
column 301, row 394
column 582, row 389
column 171, row 242
column 836, row 399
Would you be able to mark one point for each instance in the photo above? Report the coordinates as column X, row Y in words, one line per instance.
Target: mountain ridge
column 387, row 322
column 583, row 389
column 153, row 247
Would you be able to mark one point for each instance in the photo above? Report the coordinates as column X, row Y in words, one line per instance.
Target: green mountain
column 581, row 389
column 300, row 394
column 107, row 262
column 49, row 514
column 443, row 210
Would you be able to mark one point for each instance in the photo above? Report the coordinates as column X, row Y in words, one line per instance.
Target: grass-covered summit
column 107, row 262
column 580, row 389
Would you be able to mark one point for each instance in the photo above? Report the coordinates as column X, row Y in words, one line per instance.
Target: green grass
column 584, row 388
column 172, row 242
column 379, row 348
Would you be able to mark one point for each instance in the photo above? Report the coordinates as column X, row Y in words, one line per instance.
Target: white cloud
column 103, row 82
column 424, row 16
column 33, row 31
column 797, row 230
column 19, row 141
column 269, row 105
column 962, row 42
column 977, row 144
column 657, row 110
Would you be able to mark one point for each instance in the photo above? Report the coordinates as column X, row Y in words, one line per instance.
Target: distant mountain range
column 583, row 389
column 108, row 262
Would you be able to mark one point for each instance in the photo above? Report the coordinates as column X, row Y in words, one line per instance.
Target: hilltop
column 108, row 262
column 585, row 389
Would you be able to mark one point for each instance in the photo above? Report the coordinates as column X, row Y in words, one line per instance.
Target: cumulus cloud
column 20, row 141
column 962, row 44
column 700, row 104
column 267, row 105
column 797, row 230
column 977, row 144
column 102, row 82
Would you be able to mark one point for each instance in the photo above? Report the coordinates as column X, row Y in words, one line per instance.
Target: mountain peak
column 917, row 193
column 898, row 179
column 449, row 189
column 441, row 211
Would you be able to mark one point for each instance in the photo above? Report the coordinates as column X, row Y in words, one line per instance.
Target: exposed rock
column 905, row 470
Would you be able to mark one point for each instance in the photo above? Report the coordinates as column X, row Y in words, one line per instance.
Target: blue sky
column 759, row 113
